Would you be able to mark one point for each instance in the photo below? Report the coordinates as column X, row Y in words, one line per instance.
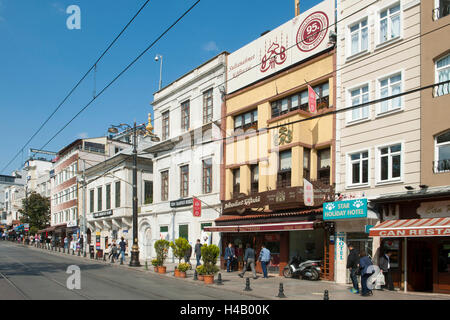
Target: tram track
column 20, row 291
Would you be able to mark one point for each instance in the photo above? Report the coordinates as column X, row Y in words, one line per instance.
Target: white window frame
column 349, row 119
column 378, row 164
column 349, row 54
column 378, row 24
column 436, row 151
column 378, row 93
column 436, row 77
column 349, row 184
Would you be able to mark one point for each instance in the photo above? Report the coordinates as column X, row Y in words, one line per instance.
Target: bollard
column 195, row 274
column 59, row 249
column 247, row 285
column 325, row 295
column 73, row 252
column 84, row 253
column 281, row 291
column 64, row 250
column 104, row 257
column 112, row 259
column 121, row 261
column 219, row 279
column 78, row 252
column 146, row 265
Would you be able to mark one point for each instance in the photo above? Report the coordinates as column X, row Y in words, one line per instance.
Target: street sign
column 197, row 207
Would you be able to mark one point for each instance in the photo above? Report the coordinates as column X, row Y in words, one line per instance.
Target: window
column 207, row 175
column 91, row 200
column 390, row 163
column 94, row 147
column 323, row 165
column 390, row 86
column 442, row 153
column 254, row 178
column 184, row 181
column 359, row 96
column 99, row 199
column 359, row 168
column 390, row 23
column 359, row 37
column 442, row 74
column 183, row 231
column 148, row 192
column 207, row 106
column 108, row 196
column 284, row 169
column 442, row 9
column 306, row 163
column 236, row 181
column 247, row 120
column 165, row 125
column 117, row 193
column 185, row 115
column 164, row 185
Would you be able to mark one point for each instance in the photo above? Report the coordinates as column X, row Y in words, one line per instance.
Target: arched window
column 442, row 74
column 442, row 153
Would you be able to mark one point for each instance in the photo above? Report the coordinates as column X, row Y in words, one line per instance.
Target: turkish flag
column 312, row 99
column 197, row 207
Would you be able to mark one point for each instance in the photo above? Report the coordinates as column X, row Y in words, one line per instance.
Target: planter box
column 156, row 269
column 182, row 274
column 209, row 278
column 162, row 269
column 200, row 277
column 177, row 273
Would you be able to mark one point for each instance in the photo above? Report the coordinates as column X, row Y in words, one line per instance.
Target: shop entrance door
column 359, row 243
column 420, row 265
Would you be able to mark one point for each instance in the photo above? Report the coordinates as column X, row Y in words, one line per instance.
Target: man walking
column 188, row 254
column 264, row 257
column 198, row 252
column 364, row 263
column 123, row 247
column 249, row 259
column 352, row 264
column 385, row 266
column 229, row 256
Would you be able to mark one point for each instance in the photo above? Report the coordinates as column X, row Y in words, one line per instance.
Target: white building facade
column 187, row 160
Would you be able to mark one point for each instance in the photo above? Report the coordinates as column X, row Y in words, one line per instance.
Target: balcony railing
column 441, row 166
column 441, row 12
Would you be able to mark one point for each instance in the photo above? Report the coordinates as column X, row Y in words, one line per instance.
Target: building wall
column 435, row 113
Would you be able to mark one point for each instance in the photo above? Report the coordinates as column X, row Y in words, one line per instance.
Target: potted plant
column 200, row 272
column 179, row 249
column 182, row 268
column 209, row 257
column 162, row 249
column 155, row 264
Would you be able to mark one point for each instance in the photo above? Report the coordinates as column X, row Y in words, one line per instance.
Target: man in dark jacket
column 385, row 266
column 229, row 256
column 198, row 251
column 353, row 265
column 249, row 259
column 364, row 263
column 188, row 254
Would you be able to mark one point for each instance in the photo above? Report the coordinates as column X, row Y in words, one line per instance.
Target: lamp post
column 134, row 260
column 158, row 56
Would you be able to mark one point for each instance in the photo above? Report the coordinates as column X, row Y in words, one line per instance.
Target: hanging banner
column 308, row 194
column 312, row 98
column 296, row 40
column 197, row 207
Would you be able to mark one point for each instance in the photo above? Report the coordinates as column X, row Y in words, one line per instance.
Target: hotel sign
column 345, row 209
column 292, row 42
column 102, row 214
column 182, row 203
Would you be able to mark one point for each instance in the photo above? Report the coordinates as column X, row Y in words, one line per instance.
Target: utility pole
column 84, row 207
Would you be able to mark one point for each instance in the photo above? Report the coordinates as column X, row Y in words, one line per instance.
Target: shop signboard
column 181, row 203
column 340, row 245
column 97, row 240
column 367, row 228
column 348, row 209
column 296, row 40
column 197, row 208
column 102, row 214
column 26, row 226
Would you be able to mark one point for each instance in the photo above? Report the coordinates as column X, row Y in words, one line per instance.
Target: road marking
column 23, row 294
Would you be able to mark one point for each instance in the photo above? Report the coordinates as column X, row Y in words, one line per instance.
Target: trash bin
column 91, row 251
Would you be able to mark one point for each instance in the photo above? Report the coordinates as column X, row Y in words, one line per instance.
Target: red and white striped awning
column 430, row 227
column 266, row 227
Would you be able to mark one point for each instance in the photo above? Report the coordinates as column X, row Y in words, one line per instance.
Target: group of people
column 113, row 251
column 249, row 259
column 359, row 264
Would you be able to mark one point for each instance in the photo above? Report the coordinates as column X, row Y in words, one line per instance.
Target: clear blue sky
column 41, row 60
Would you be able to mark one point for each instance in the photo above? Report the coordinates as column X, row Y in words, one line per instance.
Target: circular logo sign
column 312, row 31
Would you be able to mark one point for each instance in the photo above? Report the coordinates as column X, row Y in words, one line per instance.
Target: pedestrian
column 229, row 256
column 188, row 254
column 198, row 252
column 66, row 243
column 249, row 259
column 385, row 266
column 364, row 263
column 353, row 265
column 264, row 257
column 123, row 247
column 81, row 244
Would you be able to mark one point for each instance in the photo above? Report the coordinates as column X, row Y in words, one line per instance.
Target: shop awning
column 266, row 227
column 430, row 227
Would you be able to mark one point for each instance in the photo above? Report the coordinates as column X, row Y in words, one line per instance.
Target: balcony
column 442, row 11
column 441, row 166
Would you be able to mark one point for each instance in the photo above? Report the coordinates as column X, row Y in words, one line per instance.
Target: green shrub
column 209, row 257
column 201, row 270
column 183, row 267
column 162, row 249
column 155, row 262
column 179, row 248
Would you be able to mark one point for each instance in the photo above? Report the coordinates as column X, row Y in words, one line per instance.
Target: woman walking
column 364, row 263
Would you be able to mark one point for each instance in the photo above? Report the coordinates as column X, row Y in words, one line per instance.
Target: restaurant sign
column 347, row 209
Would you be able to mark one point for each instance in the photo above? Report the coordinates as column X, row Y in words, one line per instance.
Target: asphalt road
column 27, row 274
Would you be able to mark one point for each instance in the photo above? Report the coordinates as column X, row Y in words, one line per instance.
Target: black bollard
column 195, row 274
column 78, row 252
column 146, row 265
column 219, row 279
column 59, row 249
column 73, row 252
column 325, row 295
column 247, row 285
column 121, row 261
column 281, row 291
column 64, row 250
column 104, row 257
column 84, row 253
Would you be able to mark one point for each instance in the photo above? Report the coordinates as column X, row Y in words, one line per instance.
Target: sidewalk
column 294, row 289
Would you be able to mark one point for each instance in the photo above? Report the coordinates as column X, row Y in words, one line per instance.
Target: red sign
column 413, row 232
column 312, row 100
column 197, row 207
column 312, row 31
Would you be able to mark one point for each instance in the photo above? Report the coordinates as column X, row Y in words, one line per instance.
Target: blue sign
column 347, row 209
column 367, row 227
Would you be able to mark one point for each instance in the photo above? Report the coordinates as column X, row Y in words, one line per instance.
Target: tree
column 36, row 211
column 179, row 248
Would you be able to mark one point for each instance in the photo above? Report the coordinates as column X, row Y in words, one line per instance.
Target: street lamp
column 134, row 260
column 158, row 56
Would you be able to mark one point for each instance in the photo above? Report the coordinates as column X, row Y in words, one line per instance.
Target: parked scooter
column 306, row 269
